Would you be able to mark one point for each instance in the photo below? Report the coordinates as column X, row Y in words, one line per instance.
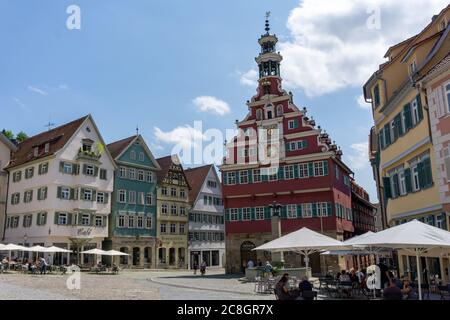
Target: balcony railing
column 89, row 155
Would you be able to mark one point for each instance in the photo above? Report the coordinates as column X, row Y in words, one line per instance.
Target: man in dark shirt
column 384, row 277
column 305, row 286
column 392, row 292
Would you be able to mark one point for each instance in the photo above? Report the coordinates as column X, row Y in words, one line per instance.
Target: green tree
column 8, row 134
column 21, row 136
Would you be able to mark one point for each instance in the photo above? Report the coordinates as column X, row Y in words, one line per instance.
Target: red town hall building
column 311, row 182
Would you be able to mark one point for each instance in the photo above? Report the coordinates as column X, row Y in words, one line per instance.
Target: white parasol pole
column 419, row 279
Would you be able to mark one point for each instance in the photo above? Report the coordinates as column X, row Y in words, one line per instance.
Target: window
column 415, row 174
column 140, row 222
column 292, row 124
column 47, row 147
column 149, row 199
column 121, row 221
column 65, row 193
column 103, row 174
column 132, row 197
column 288, row 172
column 271, row 172
column 279, row 110
column 231, row 178
column 15, row 198
column 122, row 196
column 101, row 197
column 131, row 221
column 62, row 218
column 440, row 221
column 402, row 182
column 243, row 177
column 256, row 175
column 164, row 209
column 306, row 210
column 133, row 155
column 412, row 67
column 415, row 112
column 212, row 184
column 141, row 198
column 182, row 228
column 291, row 210
column 98, row 221
column 17, row 176
column 29, row 172
column 173, row 210
column 376, row 93
column 246, row 214
column 28, row 196
column 141, row 175
column 87, row 195
column 447, row 94
column 41, row 218
column 173, row 192
column 132, row 174
column 87, row 146
column 318, row 169
column 141, row 156
column 67, row 168
column 322, row 209
column 173, row 228
column 259, row 213
column 234, row 215
column 43, row 168
column 42, row 193
column 182, row 211
column 27, row 220
column 90, row 170
column 122, row 172
column 303, row 171
column 164, row 191
column 336, row 171
column 182, row 193
column 347, row 181
column 148, row 176
column 162, row 228
column 85, row 219
column 148, row 223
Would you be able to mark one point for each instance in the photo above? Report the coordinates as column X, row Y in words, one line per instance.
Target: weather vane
column 267, row 22
column 267, row 15
column 49, row 125
column 137, row 130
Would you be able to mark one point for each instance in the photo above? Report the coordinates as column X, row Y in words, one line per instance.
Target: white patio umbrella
column 304, row 241
column 95, row 251
column 13, row 247
column 114, row 253
column 37, row 249
column 413, row 236
column 1, row 246
column 54, row 249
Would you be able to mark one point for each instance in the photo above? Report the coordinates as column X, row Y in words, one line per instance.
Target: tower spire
column 267, row 22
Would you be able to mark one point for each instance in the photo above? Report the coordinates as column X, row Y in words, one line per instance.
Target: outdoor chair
column 444, row 291
column 276, row 294
column 309, row 295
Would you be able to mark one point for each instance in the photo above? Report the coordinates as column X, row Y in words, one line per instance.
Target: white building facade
column 60, row 186
column 6, row 147
column 206, row 240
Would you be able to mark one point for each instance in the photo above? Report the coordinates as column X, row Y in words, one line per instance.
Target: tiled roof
column 196, row 177
column 117, row 147
column 57, row 138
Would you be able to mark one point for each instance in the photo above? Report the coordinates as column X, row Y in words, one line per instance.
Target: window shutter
column 387, row 187
column 420, row 170
column 106, row 197
column 45, row 218
column 265, row 177
column 104, row 221
column 69, row 218
column 61, row 166
column 56, row 218
column 408, row 117
column 329, row 209
column 381, row 139
column 408, row 181
column 299, row 211
column 74, row 168
column 84, row 168
column 325, row 168
column 31, row 195
column 39, row 194
column 37, row 218
column 280, row 173
column 267, row 213
column 288, row 146
column 23, row 221
column 447, row 167
column 95, row 171
column 314, row 209
column 225, row 178
column 305, row 144
column 237, row 177
column 58, row 193
column 240, row 214
column 398, row 124
column 419, row 107
column 39, row 170
column 283, row 212
column 72, row 194
column 387, row 134
column 94, row 195
column 396, row 185
column 311, row 169
column 227, row 215
column 252, row 213
column 250, row 176
column 428, row 176
column 91, row 219
column 296, row 176
column 80, row 216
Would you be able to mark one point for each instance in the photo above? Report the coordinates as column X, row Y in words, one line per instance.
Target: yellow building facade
column 401, row 145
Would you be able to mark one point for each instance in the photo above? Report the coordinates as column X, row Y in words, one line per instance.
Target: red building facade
column 280, row 156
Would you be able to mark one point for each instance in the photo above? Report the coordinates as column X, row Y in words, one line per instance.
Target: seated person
column 344, row 277
column 392, row 292
column 282, row 290
column 305, row 285
column 407, row 291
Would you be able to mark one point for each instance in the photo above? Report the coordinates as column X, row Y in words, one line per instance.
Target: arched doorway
column 148, row 255
column 124, row 259
column 247, row 253
column 136, row 256
column 181, row 257
column 162, row 255
column 172, row 256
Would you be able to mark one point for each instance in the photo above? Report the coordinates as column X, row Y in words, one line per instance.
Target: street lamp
column 276, row 208
column 25, row 238
column 276, row 229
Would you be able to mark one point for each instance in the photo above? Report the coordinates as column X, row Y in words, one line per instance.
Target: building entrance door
column 136, row 256
column 247, row 254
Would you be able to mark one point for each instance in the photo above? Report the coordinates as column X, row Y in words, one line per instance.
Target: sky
column 161, row 65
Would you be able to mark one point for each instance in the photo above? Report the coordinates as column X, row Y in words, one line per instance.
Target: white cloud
column 208, row 103
column 185, row 137
column 359, row 158
column 249, row 78
column 37, row 90
column 20, row 104
column 331, row 46
column 63, row 86
column 361, row 102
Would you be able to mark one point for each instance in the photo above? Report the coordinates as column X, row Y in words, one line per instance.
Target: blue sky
column 144, row 62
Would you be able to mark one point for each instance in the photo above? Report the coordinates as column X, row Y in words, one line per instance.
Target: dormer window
column 36, row 151
column 47, row 147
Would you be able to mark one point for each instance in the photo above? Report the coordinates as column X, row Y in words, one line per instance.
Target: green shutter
column 252, row 213
column 61, row 166
column 329, row 209
column 56, row 216
column 419, row 107
column 311, row 169
column 250, row 176
column 84, row 168
column 74, row 168
column 421, row 173
column 264, row 177
column 381, row 139
column 80, row 216
column 39, row 197
column 295, row 123
column 387, row 134
column 92, row 219
column 396, row 185
column 305, row 144
column 280, row 173
column 325, row 167
column 227, row 215
column 408, row 181
column 225, row 178
column 314, row 209
column 45, row 218
column 104, row 221
column 408, row 116
column 288, row 146
column 37, row 219
column 299, row 211
column 296, row 171
column 387, row 187
column 238, row 180
column 94, row 195
column 427, row 172
column 267, row 213
column 95, row 171
column 58, row 193
column 40, row 169
column 398, row 124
